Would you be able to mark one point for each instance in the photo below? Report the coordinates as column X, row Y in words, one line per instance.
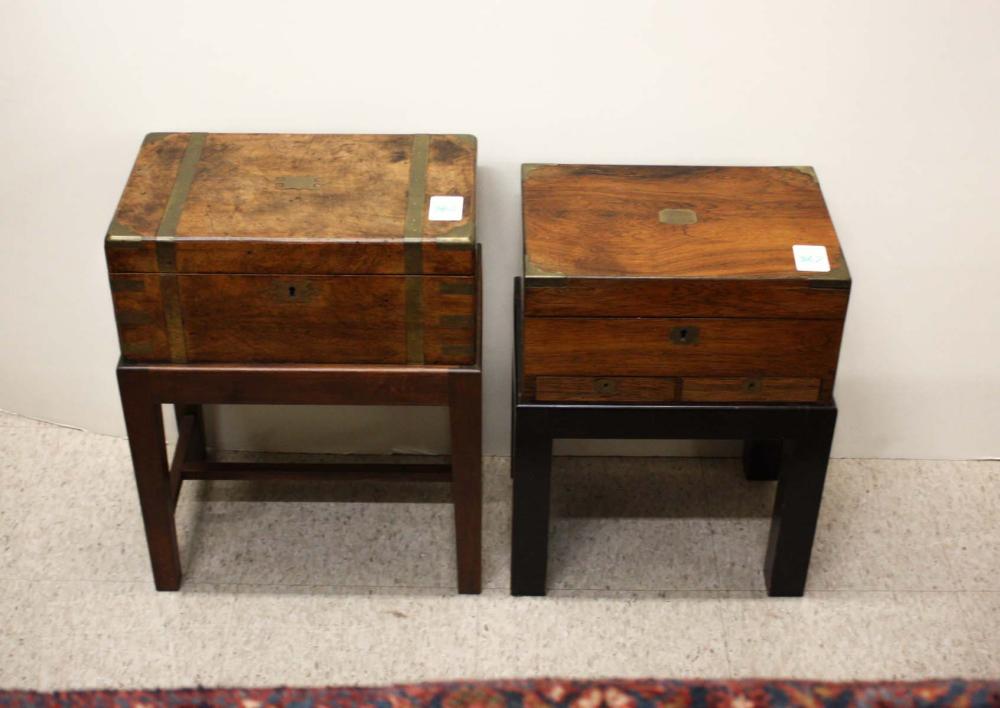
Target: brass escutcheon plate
column 678, row 217
column 298, row 182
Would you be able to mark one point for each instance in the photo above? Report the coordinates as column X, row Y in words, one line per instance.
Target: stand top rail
column 675, row 421
column 319, row 384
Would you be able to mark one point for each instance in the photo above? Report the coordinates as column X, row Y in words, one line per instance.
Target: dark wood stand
column 788, row 443
column 145, row 387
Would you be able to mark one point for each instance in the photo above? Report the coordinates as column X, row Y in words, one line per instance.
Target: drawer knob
column 605, row 386
column 751, row 385
column 684, row 335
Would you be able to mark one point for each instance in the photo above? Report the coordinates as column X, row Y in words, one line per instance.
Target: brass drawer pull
column 606, row 387
column 684, row 335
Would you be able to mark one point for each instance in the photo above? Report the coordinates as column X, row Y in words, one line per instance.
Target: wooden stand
column 789, row 443
column 144, row 387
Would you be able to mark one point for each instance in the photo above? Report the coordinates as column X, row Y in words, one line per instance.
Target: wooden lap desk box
column 286, row 269
column 685, row 302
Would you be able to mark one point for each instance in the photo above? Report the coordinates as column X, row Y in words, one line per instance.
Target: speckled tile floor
column 655, row 571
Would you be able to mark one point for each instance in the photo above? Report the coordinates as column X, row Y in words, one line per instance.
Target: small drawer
column 620, row 389
column 679, row 347
column 738, row 389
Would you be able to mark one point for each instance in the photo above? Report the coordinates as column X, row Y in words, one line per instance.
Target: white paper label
column 811, row 258
column 445, row 208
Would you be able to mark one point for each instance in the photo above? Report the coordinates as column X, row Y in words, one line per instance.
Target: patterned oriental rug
column 546, row 692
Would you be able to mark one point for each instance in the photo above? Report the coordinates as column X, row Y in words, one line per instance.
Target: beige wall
column 894, row 102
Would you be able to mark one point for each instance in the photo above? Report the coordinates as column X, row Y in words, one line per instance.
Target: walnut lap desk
column 297, row 269
column 678, row 302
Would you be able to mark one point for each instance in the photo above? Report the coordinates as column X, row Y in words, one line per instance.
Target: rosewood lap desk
column 297, row 269
column 678, row 302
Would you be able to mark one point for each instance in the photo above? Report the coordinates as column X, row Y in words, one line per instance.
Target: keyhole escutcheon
column 687, row 334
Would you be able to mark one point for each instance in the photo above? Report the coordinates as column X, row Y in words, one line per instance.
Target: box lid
column 599, row 221
column 213, row 202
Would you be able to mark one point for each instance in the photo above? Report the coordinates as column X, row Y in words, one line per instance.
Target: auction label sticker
column 445, row 208
column 811, row 258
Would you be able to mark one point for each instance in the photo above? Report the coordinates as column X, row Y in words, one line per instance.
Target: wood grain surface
column 193, row 255
column 604, row 221
column 360, row 192
column 280, row 248
column 683, row 272
column 145, row 197
column 138, row 302
column 295, row 317
column 682, row 297
column 333, row 203
column 321, row 319
column 145, row 388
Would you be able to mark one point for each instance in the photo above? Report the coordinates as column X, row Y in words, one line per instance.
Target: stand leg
column 465, row 411
column 196, row 449
column 144, row 423
column 796, row 510
column 513, row 425
column 530, row 528
column 761, row 460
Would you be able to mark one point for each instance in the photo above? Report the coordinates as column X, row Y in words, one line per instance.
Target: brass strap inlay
column 414, row 320
column 806, row 170
column 134, row 319
column 456, row 321
column 120, row 232
column 182, row 185
column 545, row 282
column 528, row 168
column 459, row 288
column 839, row 277
column 170, row 290
column 413, row 257
column 137, row 349
column 166, row 258
column 828, row 283
column 121, row 242
column 444, row 244
column 413, row 227
column 413, row 230
column 121, row 285
column 460, row 237
column 533, row 269
column 457, row 350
